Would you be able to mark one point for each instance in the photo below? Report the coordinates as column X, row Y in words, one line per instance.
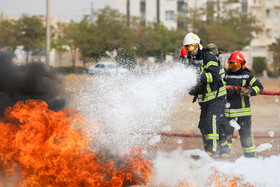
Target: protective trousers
column 208, row 124
column 224, row 133
column 246, row 137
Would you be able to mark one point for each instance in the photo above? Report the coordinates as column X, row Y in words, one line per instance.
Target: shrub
column 126, row 58
column 71, row 70
column 272, row 74
column 259, row 65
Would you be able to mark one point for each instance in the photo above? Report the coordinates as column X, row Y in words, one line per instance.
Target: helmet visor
column 191, row 47
column 234, row 65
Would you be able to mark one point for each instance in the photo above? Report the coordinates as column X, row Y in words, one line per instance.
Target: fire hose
column 189, row 135
column 171, row 134
column 264, row 92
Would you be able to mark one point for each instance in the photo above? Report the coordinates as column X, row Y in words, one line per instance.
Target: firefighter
column 238, row 102
column 183, row 53
column 183, row 56
column 209, row 90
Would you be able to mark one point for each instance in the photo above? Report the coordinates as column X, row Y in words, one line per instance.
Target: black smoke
column 31, row 81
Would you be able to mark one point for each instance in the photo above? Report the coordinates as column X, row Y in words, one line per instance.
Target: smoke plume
column 31, row 81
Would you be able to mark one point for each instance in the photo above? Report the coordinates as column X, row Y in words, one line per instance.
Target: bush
column 259, row 65
column 126, row 58
column 71, row 70
column 272, row 74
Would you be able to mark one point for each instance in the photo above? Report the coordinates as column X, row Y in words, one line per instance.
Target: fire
column 227, row 181
column 41, row 147
column 217, row 181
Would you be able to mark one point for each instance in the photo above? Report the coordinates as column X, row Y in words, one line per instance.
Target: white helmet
column 192, row 38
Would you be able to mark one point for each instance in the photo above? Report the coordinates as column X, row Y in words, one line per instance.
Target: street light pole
column 48, row 32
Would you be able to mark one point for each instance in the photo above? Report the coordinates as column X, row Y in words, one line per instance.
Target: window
column 100, row 66
column 268, row 33
column 143, row 11
column 143, row 15
column 276, row 16
column 256, row 2
column 142, row 6
column 276, row 34
column 268, row 12
column 244, row 6
column 169, row 15
column 112, row 66
column 182, row 7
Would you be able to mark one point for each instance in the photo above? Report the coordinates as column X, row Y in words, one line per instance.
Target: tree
column 157, row 41
column 228, row 28
column 113, row 31
column 71, row 33
column 90, row 41
column 60, row 45
column 275, row 49
column 8, row 35
column 126, row 58
column 109, row 32
column 31, row 34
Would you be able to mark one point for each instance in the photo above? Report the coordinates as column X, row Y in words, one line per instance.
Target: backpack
column 212, row 48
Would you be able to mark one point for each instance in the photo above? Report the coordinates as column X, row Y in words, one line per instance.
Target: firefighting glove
column 231, row 90
column 245, row 92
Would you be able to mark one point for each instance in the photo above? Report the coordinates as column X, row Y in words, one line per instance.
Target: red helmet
column 236, row 56
column 183, row 52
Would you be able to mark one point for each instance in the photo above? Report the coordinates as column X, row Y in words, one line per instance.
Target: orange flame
column 41, row 147
column 217, row 181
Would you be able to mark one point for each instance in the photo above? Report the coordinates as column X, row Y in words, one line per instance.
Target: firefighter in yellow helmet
column 210, row 91
column 238, row 110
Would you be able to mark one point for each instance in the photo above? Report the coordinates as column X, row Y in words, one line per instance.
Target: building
column 171, row 13
column 3, row 16
column 267, row 13
column 158, row 11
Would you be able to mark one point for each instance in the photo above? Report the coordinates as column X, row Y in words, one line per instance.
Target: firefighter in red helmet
column 235, row 61
column 184, row 56
column 237, row 109
column 183, row 53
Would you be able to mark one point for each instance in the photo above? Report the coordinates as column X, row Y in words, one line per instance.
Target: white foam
column 154, row 140
column 180, row 166
column 234, row 124
column 263, row 147
column 124, row 105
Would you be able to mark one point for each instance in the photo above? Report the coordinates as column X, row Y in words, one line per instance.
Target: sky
column 62, row 9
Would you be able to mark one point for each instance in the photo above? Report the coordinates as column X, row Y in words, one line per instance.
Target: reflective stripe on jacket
column 210, row 85
column 240, row 105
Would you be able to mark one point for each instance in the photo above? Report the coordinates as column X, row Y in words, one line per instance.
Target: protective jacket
column 211, row 94
column 240, row 105
column 210, row 85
